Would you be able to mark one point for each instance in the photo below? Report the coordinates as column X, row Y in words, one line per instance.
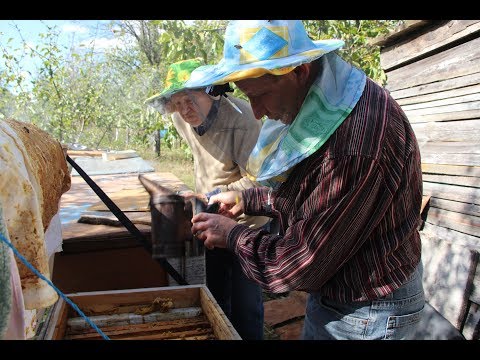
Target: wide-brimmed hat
column 255, row 47
column 177, row 75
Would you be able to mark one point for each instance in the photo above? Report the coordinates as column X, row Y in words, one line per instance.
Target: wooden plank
column 108, row 218
column 452, row 236
column 195, row 336
column 127, row 300
column 178, row 324
column 473, row 113
column 451, row 179
column 222, row 328
column 81, row 196
column 92, row 153
column 135, row 199
column 450, row 169
column 107, row 269
column 454, row 153
column 444, row 109
column 122, row 329
column 158, row 330
column 78, row 323
column 420, row 46
column 459, row 131
column 451, row 147
column 292, row 331
column 43, row 320
column 127, row 200
column 438, row 86
column 449, row 153
column 448, row 97
column 117, row 155
column 107, row 241
column 457, row 61
column 74, row 230
column 453, row 159
column 425, row 201
column 452, row 192
column 400, row 31
column 192, row 334
column 475, row 297
column 281, row 310
column 471, row 329
column 153, row 334
column 204, row 334
column 442, row 102
column 455, row 206
column 447, row 277
column 57, row 325
column 85, row 237
column 467, row 224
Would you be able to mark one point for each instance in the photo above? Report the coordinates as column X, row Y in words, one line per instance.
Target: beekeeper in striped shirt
column 342, row 175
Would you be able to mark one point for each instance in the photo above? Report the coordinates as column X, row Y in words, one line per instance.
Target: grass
column 174, row 161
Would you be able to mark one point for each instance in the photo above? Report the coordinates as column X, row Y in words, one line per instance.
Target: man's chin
column 285, row 121
column 193, row 122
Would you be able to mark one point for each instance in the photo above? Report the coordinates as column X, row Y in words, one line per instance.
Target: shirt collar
column 212, row 114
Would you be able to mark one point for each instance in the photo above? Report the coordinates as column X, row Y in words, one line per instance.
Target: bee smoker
column 171, row 232
column 170, row 224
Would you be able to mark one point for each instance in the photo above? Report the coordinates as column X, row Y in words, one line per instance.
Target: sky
column 71, row 30
column 72, row 33
column 77, row 31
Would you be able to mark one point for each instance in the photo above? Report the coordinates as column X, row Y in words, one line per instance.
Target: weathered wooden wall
column 433, row 71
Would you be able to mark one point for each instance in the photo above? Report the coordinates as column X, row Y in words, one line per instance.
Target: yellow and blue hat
column 253, row 48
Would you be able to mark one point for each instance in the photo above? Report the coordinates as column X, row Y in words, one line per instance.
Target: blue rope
column 36, row 272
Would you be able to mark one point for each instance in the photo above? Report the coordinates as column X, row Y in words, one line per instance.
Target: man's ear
column 302, row 72
column 169, row 107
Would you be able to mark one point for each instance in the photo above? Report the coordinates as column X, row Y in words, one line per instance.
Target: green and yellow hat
column 177, row 75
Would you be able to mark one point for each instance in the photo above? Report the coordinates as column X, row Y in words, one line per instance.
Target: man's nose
column 184, row 110
column 258, row 111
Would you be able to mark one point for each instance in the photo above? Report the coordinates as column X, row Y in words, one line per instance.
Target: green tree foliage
column 162, row 42
column 79, row 96
column 356, row 34
column 65, row 95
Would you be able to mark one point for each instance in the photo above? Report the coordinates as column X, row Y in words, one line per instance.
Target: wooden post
column 157, row 142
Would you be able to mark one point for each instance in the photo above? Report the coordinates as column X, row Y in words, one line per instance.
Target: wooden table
column 103, row 257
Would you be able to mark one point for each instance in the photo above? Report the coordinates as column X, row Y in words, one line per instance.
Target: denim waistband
column 412, row 287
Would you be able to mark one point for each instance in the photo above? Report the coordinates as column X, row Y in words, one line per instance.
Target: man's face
column 192, row 105
column 272, row 96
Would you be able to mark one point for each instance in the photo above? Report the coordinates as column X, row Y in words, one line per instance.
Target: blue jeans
column 392, row 317
column 239, row 297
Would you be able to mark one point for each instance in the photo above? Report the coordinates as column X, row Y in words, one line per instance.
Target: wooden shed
column 433, row 71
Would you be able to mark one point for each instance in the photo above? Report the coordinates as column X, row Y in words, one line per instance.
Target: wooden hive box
column 165, row 313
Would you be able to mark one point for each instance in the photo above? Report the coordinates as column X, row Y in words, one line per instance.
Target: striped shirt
column 348, row 213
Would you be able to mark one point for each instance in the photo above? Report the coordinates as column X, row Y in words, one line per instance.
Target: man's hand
column 190, row 195
column 231, row 203
column 212, row 229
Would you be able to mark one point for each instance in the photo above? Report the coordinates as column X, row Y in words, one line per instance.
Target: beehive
column 166, row 313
